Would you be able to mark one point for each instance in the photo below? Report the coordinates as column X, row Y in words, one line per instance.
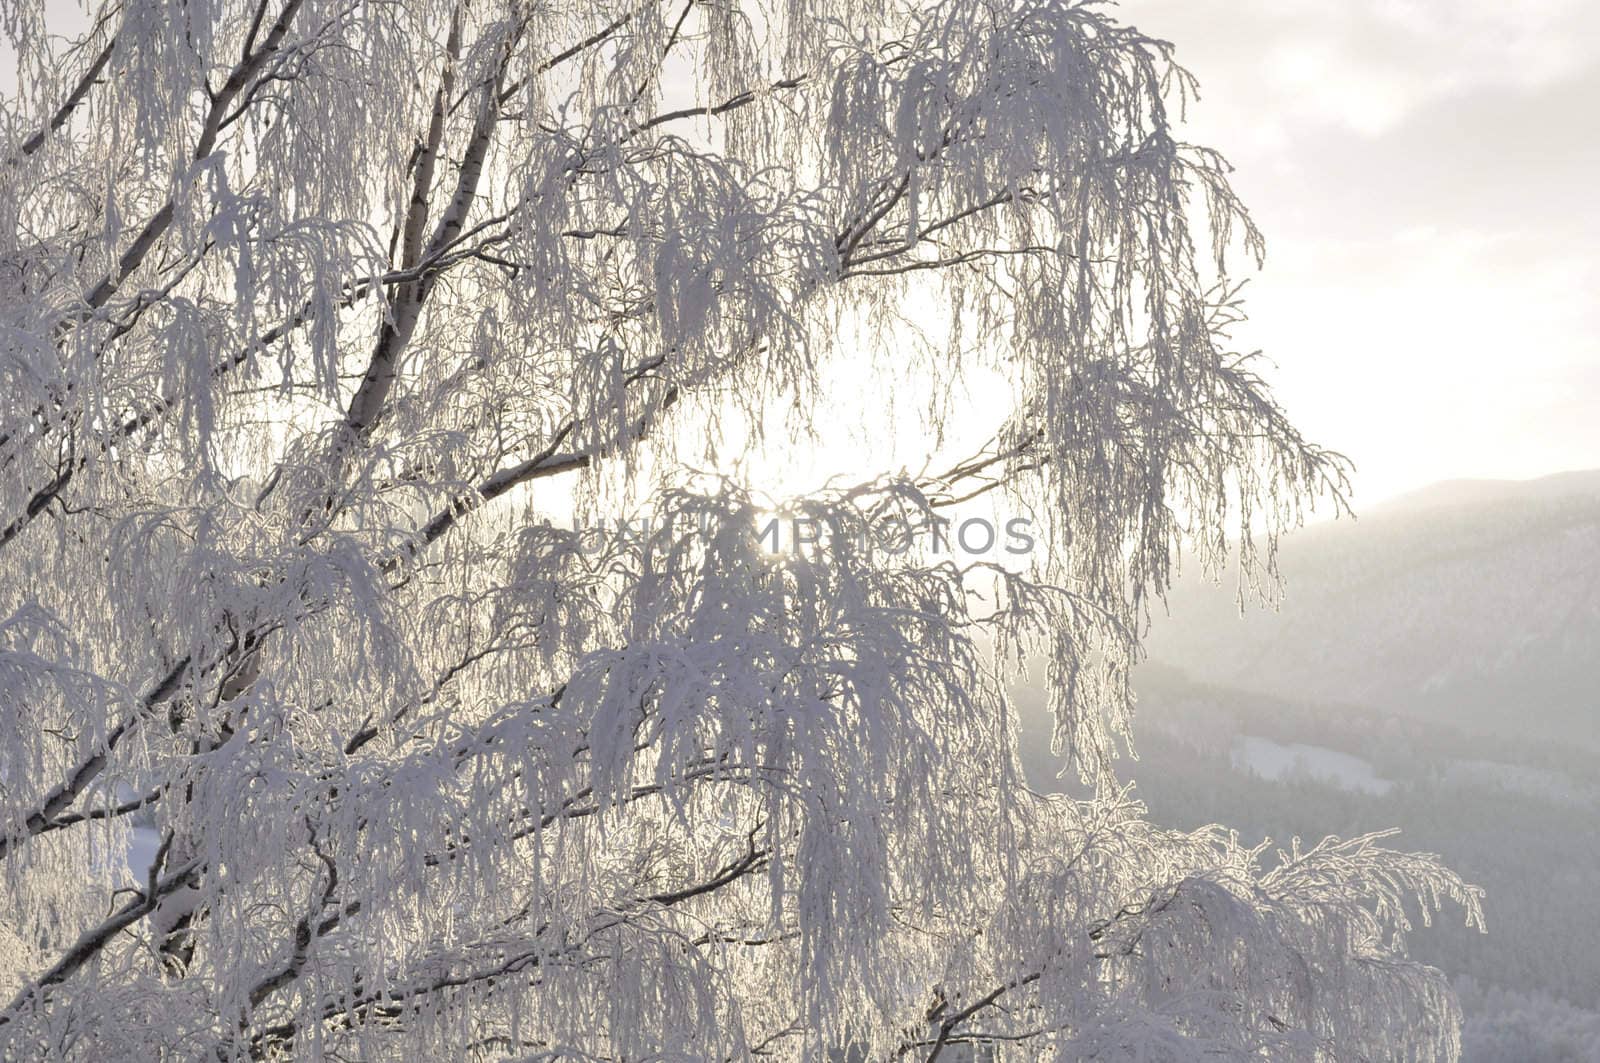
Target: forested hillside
column 1433, row 667
column 1515, row 818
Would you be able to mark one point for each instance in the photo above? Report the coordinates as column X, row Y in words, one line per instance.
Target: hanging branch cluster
column 309, row 306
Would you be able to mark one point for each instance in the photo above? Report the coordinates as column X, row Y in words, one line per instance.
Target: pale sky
column 1423, row 170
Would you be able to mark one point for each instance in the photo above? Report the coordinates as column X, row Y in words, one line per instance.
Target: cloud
column 1366, row 65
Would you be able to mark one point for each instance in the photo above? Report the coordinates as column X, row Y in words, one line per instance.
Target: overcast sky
column 1424, row 174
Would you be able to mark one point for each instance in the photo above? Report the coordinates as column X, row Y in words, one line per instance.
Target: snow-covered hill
column 1472, row 601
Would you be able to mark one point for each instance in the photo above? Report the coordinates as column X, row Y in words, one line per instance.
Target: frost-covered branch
column 306, row 306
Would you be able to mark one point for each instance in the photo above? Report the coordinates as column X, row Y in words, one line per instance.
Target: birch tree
column 315, row 310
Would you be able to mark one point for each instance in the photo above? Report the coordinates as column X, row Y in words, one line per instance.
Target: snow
column 1275, row 760
column 142, row 851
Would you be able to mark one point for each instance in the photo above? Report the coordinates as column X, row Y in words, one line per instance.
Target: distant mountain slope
column 1472, row 601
